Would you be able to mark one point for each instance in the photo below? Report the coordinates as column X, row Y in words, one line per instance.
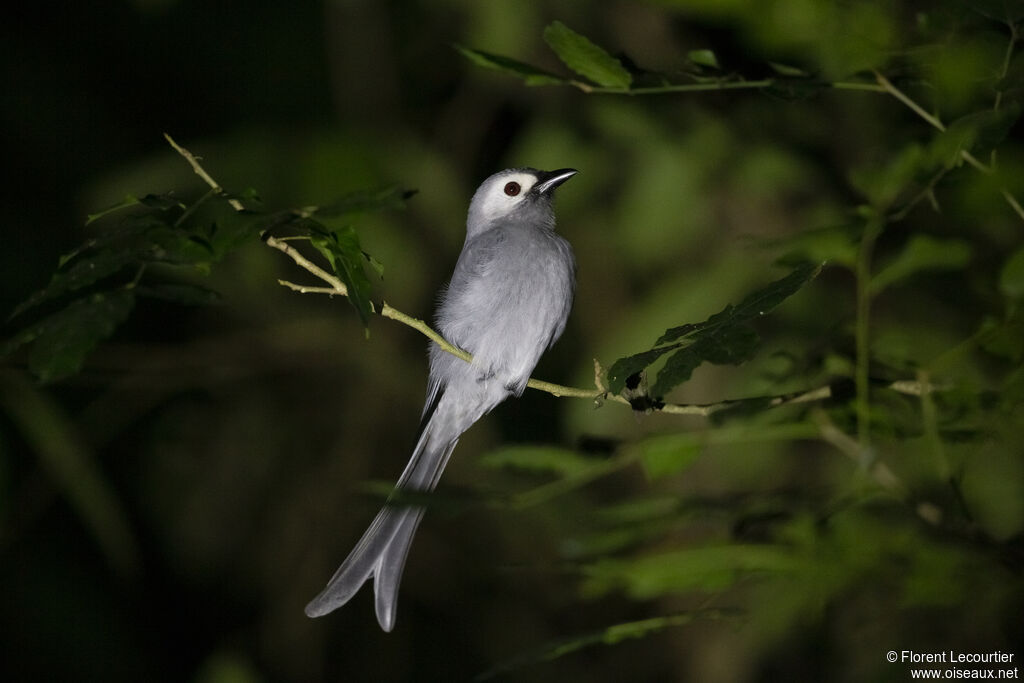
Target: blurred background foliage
column 166, row 512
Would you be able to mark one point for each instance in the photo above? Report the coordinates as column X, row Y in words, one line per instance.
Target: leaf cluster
column 150, row 247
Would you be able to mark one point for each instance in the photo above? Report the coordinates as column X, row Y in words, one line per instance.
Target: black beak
column 547, row 181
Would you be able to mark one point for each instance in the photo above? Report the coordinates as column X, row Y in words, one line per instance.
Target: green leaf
column 341, row 248
column 560, row 461
column 667, row 454
column 129, row 200
column 84, row 272
column 1011, row 279
column 703, row 58
column 788, row 71
column 624, row 368
column 754, row 305
column 978, row 132
column 586, row 58
column 727, row 345
column 61, row 341
column 1005, row 338
column 159, row 202
column 710, row 568
column 531, row 75
column 923, row 252
column 835, row 244
column 723, row 338
column 882, row 183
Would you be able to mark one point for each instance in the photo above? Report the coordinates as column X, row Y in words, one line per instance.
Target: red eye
column 512, row 189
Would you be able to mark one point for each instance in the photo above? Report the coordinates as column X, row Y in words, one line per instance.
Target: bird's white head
column 515, row 191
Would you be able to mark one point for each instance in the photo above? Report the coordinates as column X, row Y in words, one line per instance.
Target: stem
column 712, row 86
column 201, row 172
column 930, row 421
column 863, row 336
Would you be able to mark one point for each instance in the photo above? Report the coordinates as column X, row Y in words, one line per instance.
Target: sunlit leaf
column 585, row 58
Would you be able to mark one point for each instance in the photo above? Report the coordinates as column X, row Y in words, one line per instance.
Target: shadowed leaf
column 61, row 341
column 66, row 458
column 539, row 459
column 709, row 568
column 922, row 252
column 531, row 75
column 723, row 338
column 341, row 248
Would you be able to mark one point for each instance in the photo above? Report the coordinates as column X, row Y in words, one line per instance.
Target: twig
column 933, row 121
column 201, row 172
column 713, row 86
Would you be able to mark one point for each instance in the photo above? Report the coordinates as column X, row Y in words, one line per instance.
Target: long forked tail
column 382, row 550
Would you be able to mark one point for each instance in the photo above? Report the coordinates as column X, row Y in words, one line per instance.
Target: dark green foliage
column 95, row 287
column 919, row 385
column 62, row 340
column 585, row 58
column 778, row 499
column 531, row 75
column 341, row 248
column 724, row 338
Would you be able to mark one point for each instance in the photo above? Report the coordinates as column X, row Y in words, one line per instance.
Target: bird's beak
column 547, row 181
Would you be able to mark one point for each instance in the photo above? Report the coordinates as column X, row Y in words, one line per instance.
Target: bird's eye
column 512, row 189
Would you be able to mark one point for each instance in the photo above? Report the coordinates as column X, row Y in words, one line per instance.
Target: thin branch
column 933, row 121
column 201, row 172
column 335, row 287
column 713, row 86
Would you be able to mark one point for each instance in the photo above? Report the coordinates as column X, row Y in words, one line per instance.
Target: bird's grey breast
column 509, row 298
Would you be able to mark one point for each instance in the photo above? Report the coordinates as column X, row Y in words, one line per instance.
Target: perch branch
column 335, row 287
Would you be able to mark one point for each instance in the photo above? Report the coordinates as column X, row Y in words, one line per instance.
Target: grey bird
column 506, row 303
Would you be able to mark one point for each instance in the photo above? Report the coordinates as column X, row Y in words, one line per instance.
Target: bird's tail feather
column 383, row 548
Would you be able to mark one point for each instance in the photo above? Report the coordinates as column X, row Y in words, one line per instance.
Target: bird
column 507, row 302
